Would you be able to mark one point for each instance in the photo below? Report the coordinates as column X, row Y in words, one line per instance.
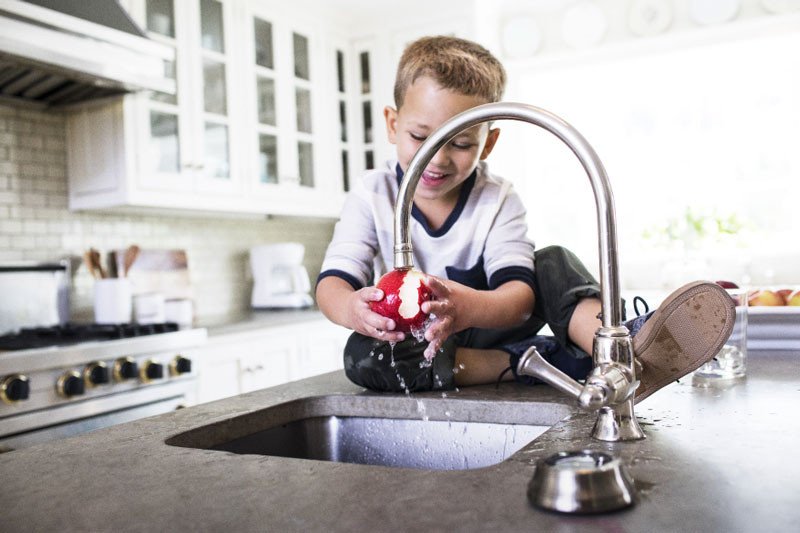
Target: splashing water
column 422, row 410
column 419, row 333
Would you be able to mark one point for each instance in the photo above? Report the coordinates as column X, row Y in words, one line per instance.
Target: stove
column 65, row 380
column 66, row 334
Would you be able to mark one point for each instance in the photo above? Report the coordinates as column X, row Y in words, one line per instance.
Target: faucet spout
column 612, row 382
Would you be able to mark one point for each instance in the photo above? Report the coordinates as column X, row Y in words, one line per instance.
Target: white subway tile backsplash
column 23, row 242
column 10, row 227
column 35, row 223
column 34, row 226
column 34, row 199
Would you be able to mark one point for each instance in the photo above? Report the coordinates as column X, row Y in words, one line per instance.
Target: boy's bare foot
column 685, row 332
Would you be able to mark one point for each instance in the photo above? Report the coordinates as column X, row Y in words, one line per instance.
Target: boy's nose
column 441, row 157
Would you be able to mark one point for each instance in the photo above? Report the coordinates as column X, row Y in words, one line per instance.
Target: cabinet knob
column 150, row 371
column 96, row 374
column 180, row 365
column 125, row 368
column 70, row 384
column 14, row 388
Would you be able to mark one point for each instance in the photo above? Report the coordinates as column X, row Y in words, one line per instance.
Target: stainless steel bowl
column 581, row 482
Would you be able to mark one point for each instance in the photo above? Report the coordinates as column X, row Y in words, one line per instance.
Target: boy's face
column 427, row 106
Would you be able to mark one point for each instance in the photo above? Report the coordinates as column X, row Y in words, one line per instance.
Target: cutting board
column 162, row 271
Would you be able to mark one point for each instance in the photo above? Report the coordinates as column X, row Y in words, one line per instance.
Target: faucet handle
column 533, row 364
column 608, row 384
column 592, row 397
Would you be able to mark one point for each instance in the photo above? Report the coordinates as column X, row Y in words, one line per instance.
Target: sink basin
column 430, row 433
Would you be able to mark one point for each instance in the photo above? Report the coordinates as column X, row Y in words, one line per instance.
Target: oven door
column 68, row 420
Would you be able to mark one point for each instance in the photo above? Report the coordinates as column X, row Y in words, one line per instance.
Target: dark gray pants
column 560, row 282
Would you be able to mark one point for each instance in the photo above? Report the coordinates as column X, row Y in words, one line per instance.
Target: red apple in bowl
column 794, row 298
column 784, row 293
column 766, row 298
column 404, row 290
column 727, row 284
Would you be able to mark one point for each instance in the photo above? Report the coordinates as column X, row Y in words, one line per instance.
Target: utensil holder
column 112, row 301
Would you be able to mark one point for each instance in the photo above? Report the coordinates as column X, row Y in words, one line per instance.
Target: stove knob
column 180, row 365
column 125, row 368
column 70, row 384
column 96, row 374
column 14, row 388
column 151, row 370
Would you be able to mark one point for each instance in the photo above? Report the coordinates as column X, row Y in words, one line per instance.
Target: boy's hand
column 445, row 307
column 367, row 322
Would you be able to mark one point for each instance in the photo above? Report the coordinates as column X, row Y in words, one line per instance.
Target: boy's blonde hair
column 456, row 64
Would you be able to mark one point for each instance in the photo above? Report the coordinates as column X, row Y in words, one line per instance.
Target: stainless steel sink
column 430, row 433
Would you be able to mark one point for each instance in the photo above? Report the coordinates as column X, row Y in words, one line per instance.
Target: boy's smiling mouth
column 431, row 177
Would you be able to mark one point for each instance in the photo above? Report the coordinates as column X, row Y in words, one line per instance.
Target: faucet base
column 617, row 423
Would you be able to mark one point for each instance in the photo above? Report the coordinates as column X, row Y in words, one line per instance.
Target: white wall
column 700, row 116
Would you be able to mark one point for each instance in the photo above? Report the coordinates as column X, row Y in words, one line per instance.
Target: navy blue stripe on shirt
column 504, row 275
column 342, row 275
column 463, row 196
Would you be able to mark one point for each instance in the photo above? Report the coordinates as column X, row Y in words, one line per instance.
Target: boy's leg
column 687, row 330
column 478, row 366
column 566, row 294
column 567, row 299
column 378, row 366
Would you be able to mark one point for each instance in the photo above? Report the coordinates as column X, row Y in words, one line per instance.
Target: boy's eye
column 462, row 145
column 416, row 137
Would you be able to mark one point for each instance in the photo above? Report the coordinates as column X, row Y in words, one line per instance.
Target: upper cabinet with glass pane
column 258, row 124
column 292, row 110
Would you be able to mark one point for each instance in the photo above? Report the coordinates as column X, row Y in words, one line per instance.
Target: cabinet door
column 320, row 348
column 217, row 376
column 265, row 362
column 213, row 45
column 164, row 159
column 186, row 139
column 279, row 75
column 292, row 90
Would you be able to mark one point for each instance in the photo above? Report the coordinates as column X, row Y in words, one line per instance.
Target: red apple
column 727, row 285
column 765, row 298
column 784, row 293
column 794, row 298
column 404, row 290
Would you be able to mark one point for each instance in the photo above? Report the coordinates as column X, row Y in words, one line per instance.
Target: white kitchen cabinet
column 241, row 362
column 251, row 130
column 291, row 93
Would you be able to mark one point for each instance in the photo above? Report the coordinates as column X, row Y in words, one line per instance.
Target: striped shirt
column 482, row 244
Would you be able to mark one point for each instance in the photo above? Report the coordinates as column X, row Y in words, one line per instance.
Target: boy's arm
column 458, row 307
column 344, row 305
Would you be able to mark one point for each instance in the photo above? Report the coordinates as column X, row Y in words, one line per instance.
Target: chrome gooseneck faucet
column 610, row 387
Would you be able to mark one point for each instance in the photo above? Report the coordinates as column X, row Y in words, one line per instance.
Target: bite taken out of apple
column 404, row 291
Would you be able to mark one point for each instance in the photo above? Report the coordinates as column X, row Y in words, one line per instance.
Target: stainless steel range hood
column 61, row 52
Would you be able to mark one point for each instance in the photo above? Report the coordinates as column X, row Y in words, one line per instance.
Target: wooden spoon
column 98, row 264
column 131, row 253
column 87, row 260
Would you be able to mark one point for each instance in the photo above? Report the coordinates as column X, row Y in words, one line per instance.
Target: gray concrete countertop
column 260, row 319
column 713, row 460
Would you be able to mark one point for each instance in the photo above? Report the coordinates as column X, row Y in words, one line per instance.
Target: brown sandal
column 688, row 330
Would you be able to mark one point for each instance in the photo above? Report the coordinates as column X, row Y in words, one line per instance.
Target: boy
column 469, row 235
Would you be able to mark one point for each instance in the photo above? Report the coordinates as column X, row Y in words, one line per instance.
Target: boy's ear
column 491, row 139
column 390, row 114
